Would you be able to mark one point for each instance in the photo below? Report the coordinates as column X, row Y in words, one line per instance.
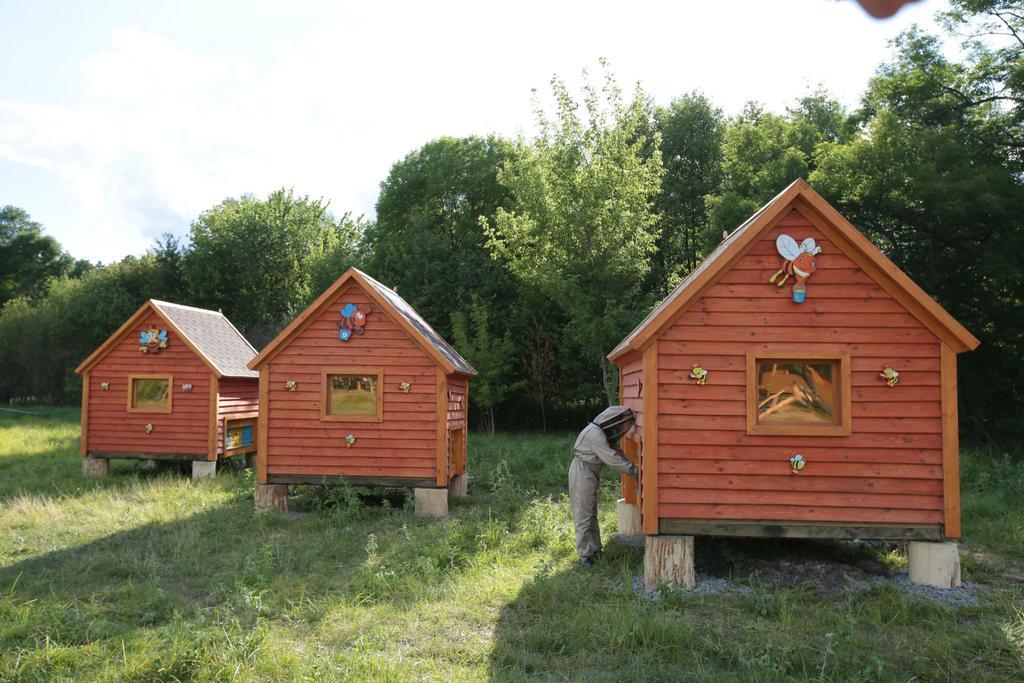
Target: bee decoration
column 891, row 376
column 353, row 319
column 698, row 373
column 149, row 427
column 151, row 340
column 405, row 387
column 291, row 385
column 350, row 440
column 105, row 386
column 797, row 463
column 798, row 261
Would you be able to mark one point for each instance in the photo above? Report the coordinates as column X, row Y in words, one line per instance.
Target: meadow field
column 144, row 576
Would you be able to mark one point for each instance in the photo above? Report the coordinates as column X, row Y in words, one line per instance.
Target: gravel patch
column 706, row 585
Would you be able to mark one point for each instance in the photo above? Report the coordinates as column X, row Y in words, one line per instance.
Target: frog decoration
column 891, row 376
column 151, row 340
column 699, row 373
column 353, row 319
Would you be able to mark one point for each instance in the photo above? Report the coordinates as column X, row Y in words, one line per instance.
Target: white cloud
column 161, row 131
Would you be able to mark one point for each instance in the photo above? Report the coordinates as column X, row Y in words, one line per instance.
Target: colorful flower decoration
column 405, row 387
column 891, row 376
column 797, row 463
column 291, row 385
column 151, row 340
column 698, row 373
column 798, row 261
column 353, row 319
column 350, row 440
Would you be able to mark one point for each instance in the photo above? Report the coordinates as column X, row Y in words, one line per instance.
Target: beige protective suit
column 593, row 452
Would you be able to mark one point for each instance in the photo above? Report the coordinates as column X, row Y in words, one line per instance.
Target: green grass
column 147, row 576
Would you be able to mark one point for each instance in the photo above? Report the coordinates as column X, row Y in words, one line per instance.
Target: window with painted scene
column 352, row 394
column 794, row 392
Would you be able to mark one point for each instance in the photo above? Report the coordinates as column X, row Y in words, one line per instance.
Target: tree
column 427, row 240
column 251, row 258
column 490, row 355
column 925, row 182
column 29, row 258
column 691, row 148
column 583, row 229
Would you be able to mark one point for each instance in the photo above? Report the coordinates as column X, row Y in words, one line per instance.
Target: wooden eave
column 134, row 320
column 801, row 196
column 306, row 317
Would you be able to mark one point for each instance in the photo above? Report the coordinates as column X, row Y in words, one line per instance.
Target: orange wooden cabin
column 170, row 384
column 359, row 389
column 732, row 380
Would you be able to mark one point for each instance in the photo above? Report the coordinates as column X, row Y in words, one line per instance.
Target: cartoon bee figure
column 891, row 376
column 405, row 387
column 798, row 262
column 797, row 463
column 698, row 373
column 151, row 340
column 352, row 320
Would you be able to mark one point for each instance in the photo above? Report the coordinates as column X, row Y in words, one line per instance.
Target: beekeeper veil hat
column 615, row 421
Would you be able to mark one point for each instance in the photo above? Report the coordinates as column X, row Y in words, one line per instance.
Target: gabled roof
column 209, row 335
column 418, row 328
column 801, row 196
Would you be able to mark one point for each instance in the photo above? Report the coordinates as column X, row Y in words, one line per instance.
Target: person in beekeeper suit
column 596, row 446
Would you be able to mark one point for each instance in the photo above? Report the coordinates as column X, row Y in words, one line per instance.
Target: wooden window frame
column 325, row 394
column 842, row 426
column 170, row 393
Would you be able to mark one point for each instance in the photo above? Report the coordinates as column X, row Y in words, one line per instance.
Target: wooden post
column 211, row 437
column 669, row 560
column 83, row 442
column 459, row 485
column 261, row 427
column 431, row 502
column 934, row 564
column 271, row 498
column 95, row 467
column 442, row 432
column 649, row 452
column 629, row 518
column 950, row 445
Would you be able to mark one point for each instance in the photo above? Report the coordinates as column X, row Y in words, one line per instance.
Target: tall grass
column 147, row 576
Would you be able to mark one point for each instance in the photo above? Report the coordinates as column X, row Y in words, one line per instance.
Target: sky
column 123, row 120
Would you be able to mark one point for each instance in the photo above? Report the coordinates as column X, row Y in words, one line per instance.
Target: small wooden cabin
column 170, row 384
column 359, row 389
column 796, row 388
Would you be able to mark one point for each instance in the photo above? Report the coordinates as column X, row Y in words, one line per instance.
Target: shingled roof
column 420, row 330
column 208, row 333
column 799, row 195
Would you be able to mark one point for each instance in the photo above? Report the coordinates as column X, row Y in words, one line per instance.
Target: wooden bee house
column 359, row 389
column 796, row 384
column 170, row 384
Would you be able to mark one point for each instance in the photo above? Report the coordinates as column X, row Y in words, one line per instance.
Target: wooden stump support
column 934, row 564
column 431, row 502
column 669, row 560
column 271, row 498
column 629, row 518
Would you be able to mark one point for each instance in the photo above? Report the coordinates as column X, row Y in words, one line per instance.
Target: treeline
column 535, row 257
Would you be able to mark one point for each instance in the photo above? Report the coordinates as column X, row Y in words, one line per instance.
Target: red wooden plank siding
column 238, row 395
column 112, row 429
column 403, row 444
column 889, row 470
column 457, row 401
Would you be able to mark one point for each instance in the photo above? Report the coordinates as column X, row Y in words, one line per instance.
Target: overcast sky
column 121, row 120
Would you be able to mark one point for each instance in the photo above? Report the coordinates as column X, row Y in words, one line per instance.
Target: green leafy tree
column 251, row 258
column 491, row 354
column 29, row 258
column 584, row 227
column 427, row 240
column 691, row 148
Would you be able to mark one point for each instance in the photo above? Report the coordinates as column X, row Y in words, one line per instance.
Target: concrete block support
column 934, row 564
column 458, row 486
column 204, row 469
column 431, row 502
column 271, row 498
column 669, row 560
column 629, row 518
column 95, row 467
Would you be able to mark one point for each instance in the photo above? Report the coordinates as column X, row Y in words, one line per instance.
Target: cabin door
column 457, row 451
